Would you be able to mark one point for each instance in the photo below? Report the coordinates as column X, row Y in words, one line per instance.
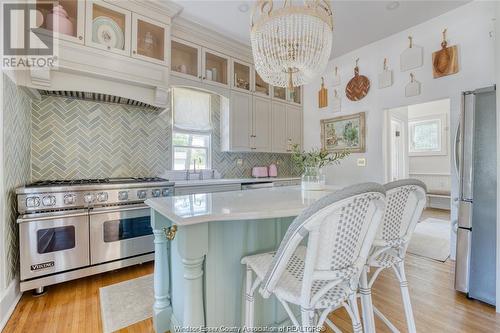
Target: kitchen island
column 199, row 242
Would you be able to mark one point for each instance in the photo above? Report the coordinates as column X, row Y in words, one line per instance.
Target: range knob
column 141, row 194
column 102, row 197
column 49, row 200
column 88, row 198
column 69, row 199
column 156, row 192
column 123, row 195
column 32, row 202
column 166, row 192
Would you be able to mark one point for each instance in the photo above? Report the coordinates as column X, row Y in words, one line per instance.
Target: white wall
column 432, row 164
column 468, row 26
column 471, row 27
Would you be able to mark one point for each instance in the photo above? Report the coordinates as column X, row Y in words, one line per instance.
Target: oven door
column 53, row 242
column 117, row 233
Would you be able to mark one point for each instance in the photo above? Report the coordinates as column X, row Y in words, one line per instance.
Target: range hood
column 97, row 97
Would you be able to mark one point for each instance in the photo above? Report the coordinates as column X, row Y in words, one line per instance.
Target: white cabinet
column 74, row 27
column 261, row 124
column 201, row 64
column 278, row 124
column 246, row 124
column 294, row 126
column 149, row 39
column 286, row 127
column 241, row 116
column 107, row 27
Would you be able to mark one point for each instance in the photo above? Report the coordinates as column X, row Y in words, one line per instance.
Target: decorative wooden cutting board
column 412, row 57
column 336, row 77
column 413, row 87
column 323, row 95
column 445, row 61
column 385, row 78
column 358, row 86
column 336, row 103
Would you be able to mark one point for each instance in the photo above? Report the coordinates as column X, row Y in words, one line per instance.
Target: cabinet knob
column 134, row 51
column 80, row 37
column 109, row 47
column 199, row 77
column 204, row 78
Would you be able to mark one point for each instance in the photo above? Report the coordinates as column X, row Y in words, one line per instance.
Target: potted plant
column 311, row 165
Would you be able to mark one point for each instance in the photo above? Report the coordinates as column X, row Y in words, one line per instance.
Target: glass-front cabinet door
column 108, row 27
column 215, row 68
column 186, row 59
column 279, row 93
column 149, row 39
column 295, row 95
column 66, row 18
column 260, row 86
column 242, row 76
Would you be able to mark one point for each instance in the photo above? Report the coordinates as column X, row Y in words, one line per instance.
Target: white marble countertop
column 255, row 204
column 223, row 181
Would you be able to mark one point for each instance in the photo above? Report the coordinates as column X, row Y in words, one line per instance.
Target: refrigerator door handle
column 467, row 157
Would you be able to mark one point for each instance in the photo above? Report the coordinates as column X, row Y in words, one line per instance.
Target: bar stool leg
column 366, row 302
column 249, row 299
column 399, row 268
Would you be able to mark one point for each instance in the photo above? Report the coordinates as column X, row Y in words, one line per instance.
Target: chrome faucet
column 188, row 173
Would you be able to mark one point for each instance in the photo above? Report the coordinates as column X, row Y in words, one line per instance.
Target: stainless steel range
column 74, row 228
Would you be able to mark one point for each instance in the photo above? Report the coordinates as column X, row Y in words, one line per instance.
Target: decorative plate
column 106, row 31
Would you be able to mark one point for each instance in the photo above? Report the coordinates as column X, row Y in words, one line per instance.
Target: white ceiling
column 357, row 23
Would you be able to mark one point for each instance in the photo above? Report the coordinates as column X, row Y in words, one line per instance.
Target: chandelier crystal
column 291, row 45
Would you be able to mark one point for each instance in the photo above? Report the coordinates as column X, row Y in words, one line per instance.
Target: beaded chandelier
column 291, row 45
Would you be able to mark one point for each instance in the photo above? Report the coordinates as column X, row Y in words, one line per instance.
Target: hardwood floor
column 74, row 306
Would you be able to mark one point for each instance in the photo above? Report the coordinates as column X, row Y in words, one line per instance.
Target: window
column 192, row 129
column 427, row 136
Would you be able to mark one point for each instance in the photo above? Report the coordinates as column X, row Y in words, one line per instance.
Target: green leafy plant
column 317, row 158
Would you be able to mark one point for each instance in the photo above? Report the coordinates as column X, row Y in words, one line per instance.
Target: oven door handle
column 106, row 210
column 28, row 218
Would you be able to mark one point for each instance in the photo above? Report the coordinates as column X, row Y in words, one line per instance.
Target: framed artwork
column 344, row 133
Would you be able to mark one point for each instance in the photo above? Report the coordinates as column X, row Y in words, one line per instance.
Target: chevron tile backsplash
column 81, row 139
column 16, row 136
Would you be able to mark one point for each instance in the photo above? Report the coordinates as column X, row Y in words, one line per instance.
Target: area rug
column 431, row 239
column 126, row 303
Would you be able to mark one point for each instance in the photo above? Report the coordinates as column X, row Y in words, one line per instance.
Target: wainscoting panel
column 82, row 139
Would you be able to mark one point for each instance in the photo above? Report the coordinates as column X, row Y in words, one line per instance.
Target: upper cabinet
column 261, row 87
column 279, row 93
column 108, row 27
column 215, row 68
column 242, row 76
column 186, row 59
column 295, row 95
column 149, row 39
column 66, row 18
column 194, row 62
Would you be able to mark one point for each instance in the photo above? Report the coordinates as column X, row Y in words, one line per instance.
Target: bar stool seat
column 289, row 286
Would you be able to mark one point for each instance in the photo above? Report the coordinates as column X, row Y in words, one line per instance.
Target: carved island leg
column 162, row 308
column 192, row 244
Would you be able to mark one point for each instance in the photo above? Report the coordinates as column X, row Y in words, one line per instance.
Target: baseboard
column 8, row 301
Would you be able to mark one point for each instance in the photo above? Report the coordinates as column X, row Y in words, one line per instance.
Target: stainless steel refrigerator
column 475, row 268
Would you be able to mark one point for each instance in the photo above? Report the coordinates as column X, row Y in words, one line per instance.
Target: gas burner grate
column 72, row 182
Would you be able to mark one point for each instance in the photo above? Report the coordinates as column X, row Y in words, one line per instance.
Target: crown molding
column 198, row 34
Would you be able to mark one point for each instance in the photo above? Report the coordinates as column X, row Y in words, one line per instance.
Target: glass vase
column 313, row 179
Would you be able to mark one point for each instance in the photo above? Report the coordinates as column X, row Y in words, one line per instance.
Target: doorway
column 418, row 146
